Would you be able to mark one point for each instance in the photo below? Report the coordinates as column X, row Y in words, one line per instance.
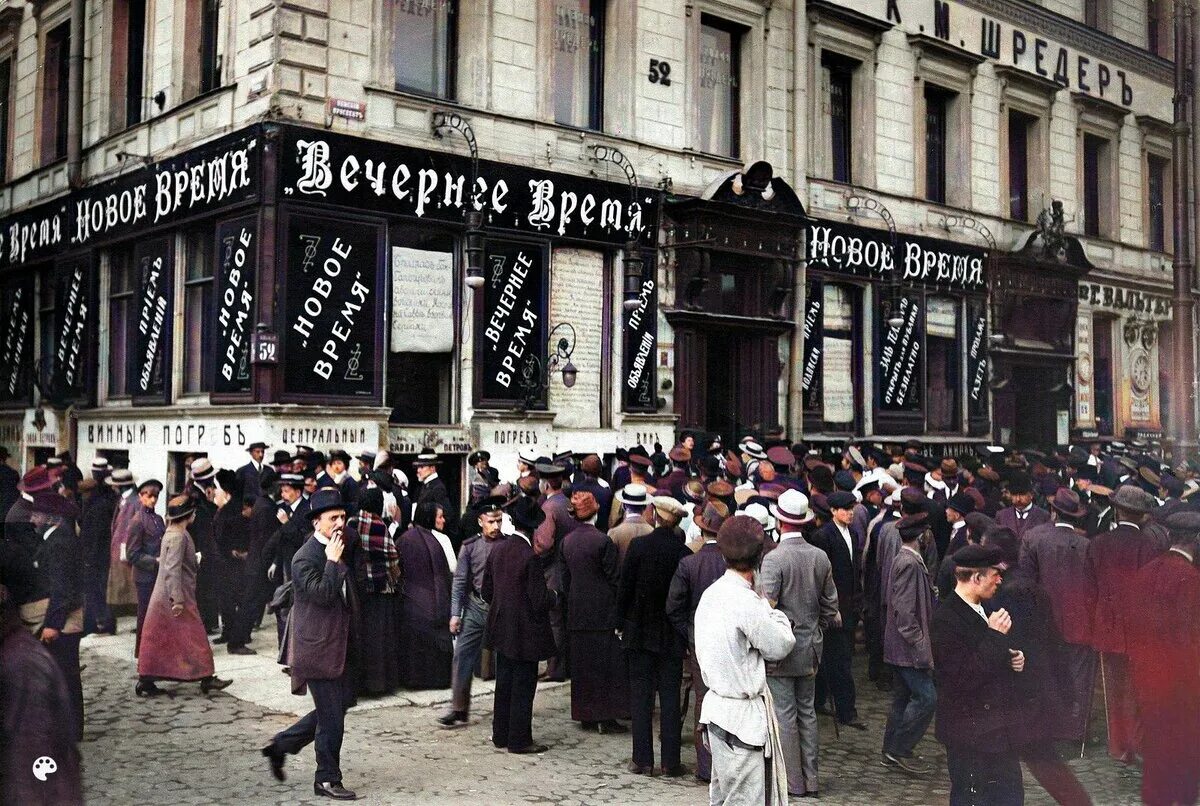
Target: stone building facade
column 832, row 229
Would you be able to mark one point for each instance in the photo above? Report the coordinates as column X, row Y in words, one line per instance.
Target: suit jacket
column 60, row 563
column 623, row 534
column 514, row 585
column 95, row 526
column 798, row 578
column 650, row 565
column 323, row 607
column 906, row 640
column 693, row 576
column 547, row 539
column 847, row 570
column 434, row 491
column 591, row 577
column 974, row 679
column 146, row 529
column 255, row 481
column 1116, row 558
column 672, row 483
column 9, row 478
column 1056, row 557
column 1164, row 638
column 1036, row 517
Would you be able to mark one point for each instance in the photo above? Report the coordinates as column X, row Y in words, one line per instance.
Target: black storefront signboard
column 206, row 179
column 237, row 279
column 900, row 375
column 154, row 261
column 865, row 252
column 639, row 390
column 513, row 322
column 361, row 174
column 814, row 338
column 16, row 339
column 332, row 343
column 74, row 320
column 977, row 360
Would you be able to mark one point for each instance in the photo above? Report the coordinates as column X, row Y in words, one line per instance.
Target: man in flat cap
column 468, row 609
column 653, row 648
column 1021, row 515
column 737, row 634
column 975, row 664
column 1164, row 647
column 547, row 542
column 1116, row 557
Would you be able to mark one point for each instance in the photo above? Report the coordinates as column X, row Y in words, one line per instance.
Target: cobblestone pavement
column 197, row 749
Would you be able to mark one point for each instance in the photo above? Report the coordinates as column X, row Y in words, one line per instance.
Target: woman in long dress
column 426, row 648
column 380, row 572
column 174, row 642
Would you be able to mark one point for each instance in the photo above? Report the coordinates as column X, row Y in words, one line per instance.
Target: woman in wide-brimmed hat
column 174, row 643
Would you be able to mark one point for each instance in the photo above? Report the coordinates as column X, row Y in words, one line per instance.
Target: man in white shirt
column 737, row 631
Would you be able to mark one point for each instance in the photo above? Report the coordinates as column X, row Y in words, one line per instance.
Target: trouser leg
column 641, row 706
column 918, row 710
column 984, row 779
column 65, row 651
column 520, row 719
column 703, row 758
column 466, row 654
column 1121, row 707
column 839, row 651
column 670, row 675
column 98, row 616
column 783, row 692
column 739, row 776
column 1057, row 779
column 502, row 703
column 806, row 713
column 330, row 698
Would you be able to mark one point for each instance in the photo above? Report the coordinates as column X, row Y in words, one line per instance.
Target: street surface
column 193, row 749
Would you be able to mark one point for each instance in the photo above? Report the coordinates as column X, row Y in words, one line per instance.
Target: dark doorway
column 719, row 409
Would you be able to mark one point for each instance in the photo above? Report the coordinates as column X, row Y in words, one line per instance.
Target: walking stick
column 1104, row 690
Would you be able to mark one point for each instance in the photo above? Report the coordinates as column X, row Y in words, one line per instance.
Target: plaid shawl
column 381, row 560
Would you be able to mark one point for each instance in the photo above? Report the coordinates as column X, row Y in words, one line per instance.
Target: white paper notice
column 837, row 381
column 422, row 301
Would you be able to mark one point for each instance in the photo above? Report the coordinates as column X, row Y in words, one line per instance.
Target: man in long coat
column 1021, row 515
column 1055, row 556
column 60, row 565
column 1116, row 557
column 547, row 542
column 518, row 627
column 426, row 648
column 1164, row 646
column 95, row 533
column 120, row 591
column 589, row 479
column 231, row 531
column 434, row 491
column 599, row 696
column 208, row 596
column 321, row 643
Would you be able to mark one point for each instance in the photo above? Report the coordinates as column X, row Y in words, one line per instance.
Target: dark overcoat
column 650, row 565
column 324, row 608
column 1116, row 557
column 591, row 576
column 514, row 584
column 847, row 570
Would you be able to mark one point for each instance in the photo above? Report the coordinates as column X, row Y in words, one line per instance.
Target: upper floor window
column 198, row 314
column 1020, row 128
column 1097, row 185
column 840, row 73
column 1158, row 177
column 1159, row 18
column 202, row 59
column 128, row 68
column 937, row 113
column 5, row 115
column 1098, row 14
column 578, row 74
column 422, row 45
column 120, row 320
column 720, row 86
column 55, row 65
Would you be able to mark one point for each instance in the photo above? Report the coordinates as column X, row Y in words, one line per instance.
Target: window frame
column 388, row 78
column 936, row 165
column 814, row 417
column 1029, row 95
column 951, row 70
column 838, row 71
column 55, row 151
column 598, row 46
column 128, row 298
column 1165, row 217
column 7, row 59
column 738, row 33
column 199, row 238
column 1102, row 120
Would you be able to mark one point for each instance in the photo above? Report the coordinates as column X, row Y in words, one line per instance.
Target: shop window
column 422, row 41
column 1020, row 127
column 1102, row 361
column 1097, row 185
column 202, row 64
column 577, row 63
column 5, row 117
column 121, row 286
column 128, row 68
column 839, row 72
column 55, row 64
column 198, row 314
column 1157, row 200
column 720, row 86
column 942, row 372
column 421, row 366
column 937, row 112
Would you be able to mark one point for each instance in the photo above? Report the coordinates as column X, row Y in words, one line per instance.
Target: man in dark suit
column 589, row 479
column 433, row 490
column 59, row 563
column 975, row 666
column 672, row 483
column 844, row 549
column 653, row 648
column 256, row 475
column 1022, row 515
column 320, row 644
column 95, row 533
column 518, row 627
column 547, row 542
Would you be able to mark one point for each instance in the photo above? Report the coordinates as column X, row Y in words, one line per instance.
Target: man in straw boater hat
column 737, row 633
column 797, row 579
column 633, row 500
column 319, row 643
column 174, row 642
column 1164, row 647
column 433, row 489
column 120, row 591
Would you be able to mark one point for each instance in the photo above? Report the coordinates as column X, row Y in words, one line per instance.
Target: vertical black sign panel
column 814, row 339
column 16, row 330
column 237, row 279
column 900, row 361
column 639, row 385
column 74, row 319
column 512, row 340
column 333, row 318
column 155, row 264
column 977, row 360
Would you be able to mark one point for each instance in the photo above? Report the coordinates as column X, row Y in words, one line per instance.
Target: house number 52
column 660, row 72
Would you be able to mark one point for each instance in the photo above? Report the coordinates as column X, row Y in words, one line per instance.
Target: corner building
column 715, row 215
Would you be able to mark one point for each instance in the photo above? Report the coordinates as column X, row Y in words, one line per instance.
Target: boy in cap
column 737, row 633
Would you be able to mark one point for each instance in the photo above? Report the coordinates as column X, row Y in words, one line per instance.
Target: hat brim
column 791, row 519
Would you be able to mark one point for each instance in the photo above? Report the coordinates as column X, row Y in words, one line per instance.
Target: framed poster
column 977, row 360
column 900, row 365
column 74, row 290
column 150, row 374
column 639, row 354
column 422, row 301
column 333, row 339
column 510, row 345
column 814, row 337
column 236, row 312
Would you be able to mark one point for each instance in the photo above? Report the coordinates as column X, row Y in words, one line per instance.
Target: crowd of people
column 990, row 590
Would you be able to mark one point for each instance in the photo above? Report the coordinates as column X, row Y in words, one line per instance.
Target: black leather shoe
column 611, row 726
column 220, row 639
column 241, row 650
column 678, row 771
column 813, row 794
column 147, row 689
column 826, row 710
column 213, row 683
column 530, row 749
column 334, row 790
column 857, row 724
column 452, row 719
column 638, row 769
column 275, row 756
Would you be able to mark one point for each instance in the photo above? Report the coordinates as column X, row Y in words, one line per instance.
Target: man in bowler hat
column 320, row 644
